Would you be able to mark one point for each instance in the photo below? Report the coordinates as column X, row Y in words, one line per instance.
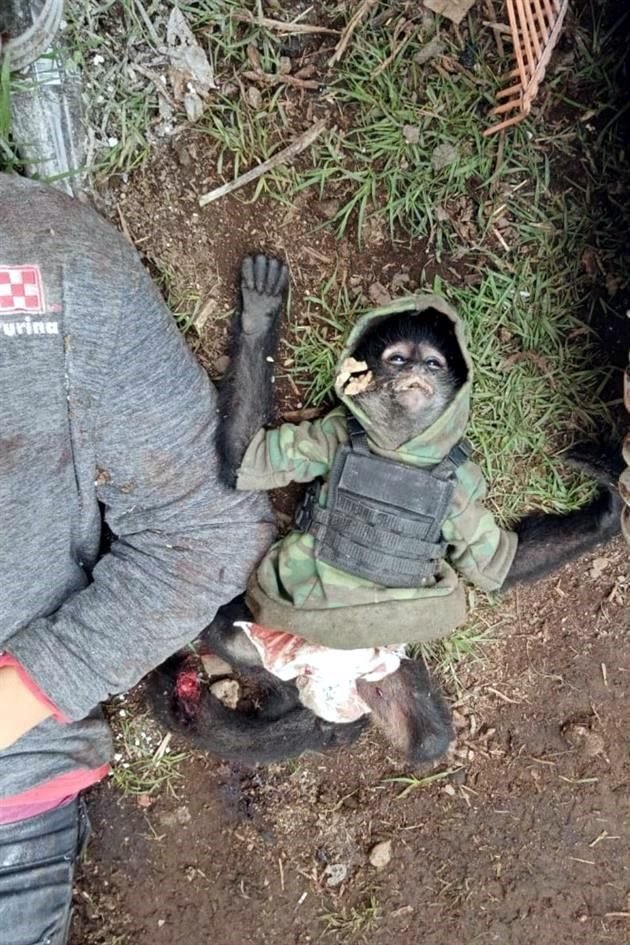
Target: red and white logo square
column 21, row 290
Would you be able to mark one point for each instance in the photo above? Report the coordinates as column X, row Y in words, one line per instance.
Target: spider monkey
column 404, row 385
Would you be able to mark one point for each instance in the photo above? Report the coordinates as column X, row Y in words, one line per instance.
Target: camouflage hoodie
column 293, row 591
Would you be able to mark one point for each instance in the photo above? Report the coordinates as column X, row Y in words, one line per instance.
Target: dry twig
column 281, row 26
column 346, row 36
column 296, row 147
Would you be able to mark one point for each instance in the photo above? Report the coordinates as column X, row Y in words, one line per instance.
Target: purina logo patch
column 21, row 290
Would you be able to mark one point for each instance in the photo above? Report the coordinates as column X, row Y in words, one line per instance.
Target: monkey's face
column 415, row 368
column 417, row 375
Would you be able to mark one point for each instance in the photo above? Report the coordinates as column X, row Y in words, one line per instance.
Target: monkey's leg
column 245, row 394
column 223, row 639
column 251, row 738
column 546, row 542
column 411, row 711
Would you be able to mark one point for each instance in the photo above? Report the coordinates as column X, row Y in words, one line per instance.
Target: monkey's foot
column 263, row 283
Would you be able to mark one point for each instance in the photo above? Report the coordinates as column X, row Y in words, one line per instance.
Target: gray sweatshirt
column 102, row 409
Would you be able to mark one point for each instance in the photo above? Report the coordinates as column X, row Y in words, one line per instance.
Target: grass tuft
column 143, row 762
column 352, row 923
column 413, row 783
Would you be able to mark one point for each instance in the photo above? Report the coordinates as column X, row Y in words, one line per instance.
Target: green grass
column 315, row 338
column 462, row 647
column 396, row 122
column 143, row 762
column 352, row 923
column 413, row 783
column 119, row 46
column 107, row 38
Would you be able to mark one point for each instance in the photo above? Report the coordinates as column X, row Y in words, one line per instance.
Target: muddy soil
column 526, row 841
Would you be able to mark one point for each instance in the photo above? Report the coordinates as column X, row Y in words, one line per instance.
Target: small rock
column 449, row 790
column 335, row 874
column 593, row 745
column 221, row 364
column 460, row 722
column 184, row 157
column 381, row 854
column 400, row 281
column 582, row 738
column 227, row 691
column 284, row 65
column 193, row 106
column 144, row 800
column 598, row 567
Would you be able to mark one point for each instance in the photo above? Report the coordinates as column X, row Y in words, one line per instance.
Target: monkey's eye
column 397, row 359
column 433, row 364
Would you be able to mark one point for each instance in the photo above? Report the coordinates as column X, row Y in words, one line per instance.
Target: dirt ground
column 527, row 840
column 523, row 839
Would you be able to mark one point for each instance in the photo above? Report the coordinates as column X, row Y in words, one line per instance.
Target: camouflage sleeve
column 291, row 453
column 480, row 550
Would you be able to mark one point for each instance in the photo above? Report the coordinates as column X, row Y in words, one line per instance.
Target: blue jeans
column 37, row 858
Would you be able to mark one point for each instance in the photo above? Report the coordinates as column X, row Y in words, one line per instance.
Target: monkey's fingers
column 261, row 264
column 274, row 267
column 282, row 280
column 247, row 272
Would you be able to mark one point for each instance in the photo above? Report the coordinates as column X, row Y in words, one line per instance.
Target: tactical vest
column 383, row 519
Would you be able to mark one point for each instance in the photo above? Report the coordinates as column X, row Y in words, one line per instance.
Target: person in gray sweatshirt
column 105, row 416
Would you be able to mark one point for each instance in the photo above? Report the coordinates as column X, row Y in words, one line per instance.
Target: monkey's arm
column 479, row 549
column 546, row 542
column 245, row 394
column 291, row 453
column 494, row 558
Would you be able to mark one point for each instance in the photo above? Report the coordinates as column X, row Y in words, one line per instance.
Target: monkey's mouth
column 415, row 386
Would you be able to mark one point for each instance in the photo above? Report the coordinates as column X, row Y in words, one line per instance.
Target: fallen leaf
column 443, row 156
column 254, row 98
column 190, row 73
column 358, row 385
column 411, row 134
column 435, row 47
column 454, row 10
column 379, row 294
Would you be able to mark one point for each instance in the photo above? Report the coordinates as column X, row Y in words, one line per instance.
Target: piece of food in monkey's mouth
column 349, row 382
column 416, row 383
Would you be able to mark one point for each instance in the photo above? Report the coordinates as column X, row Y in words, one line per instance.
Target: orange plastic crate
column 535, row 26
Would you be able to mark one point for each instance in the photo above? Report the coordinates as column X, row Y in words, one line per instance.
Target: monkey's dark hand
column 263, row 283
column 245, row 394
